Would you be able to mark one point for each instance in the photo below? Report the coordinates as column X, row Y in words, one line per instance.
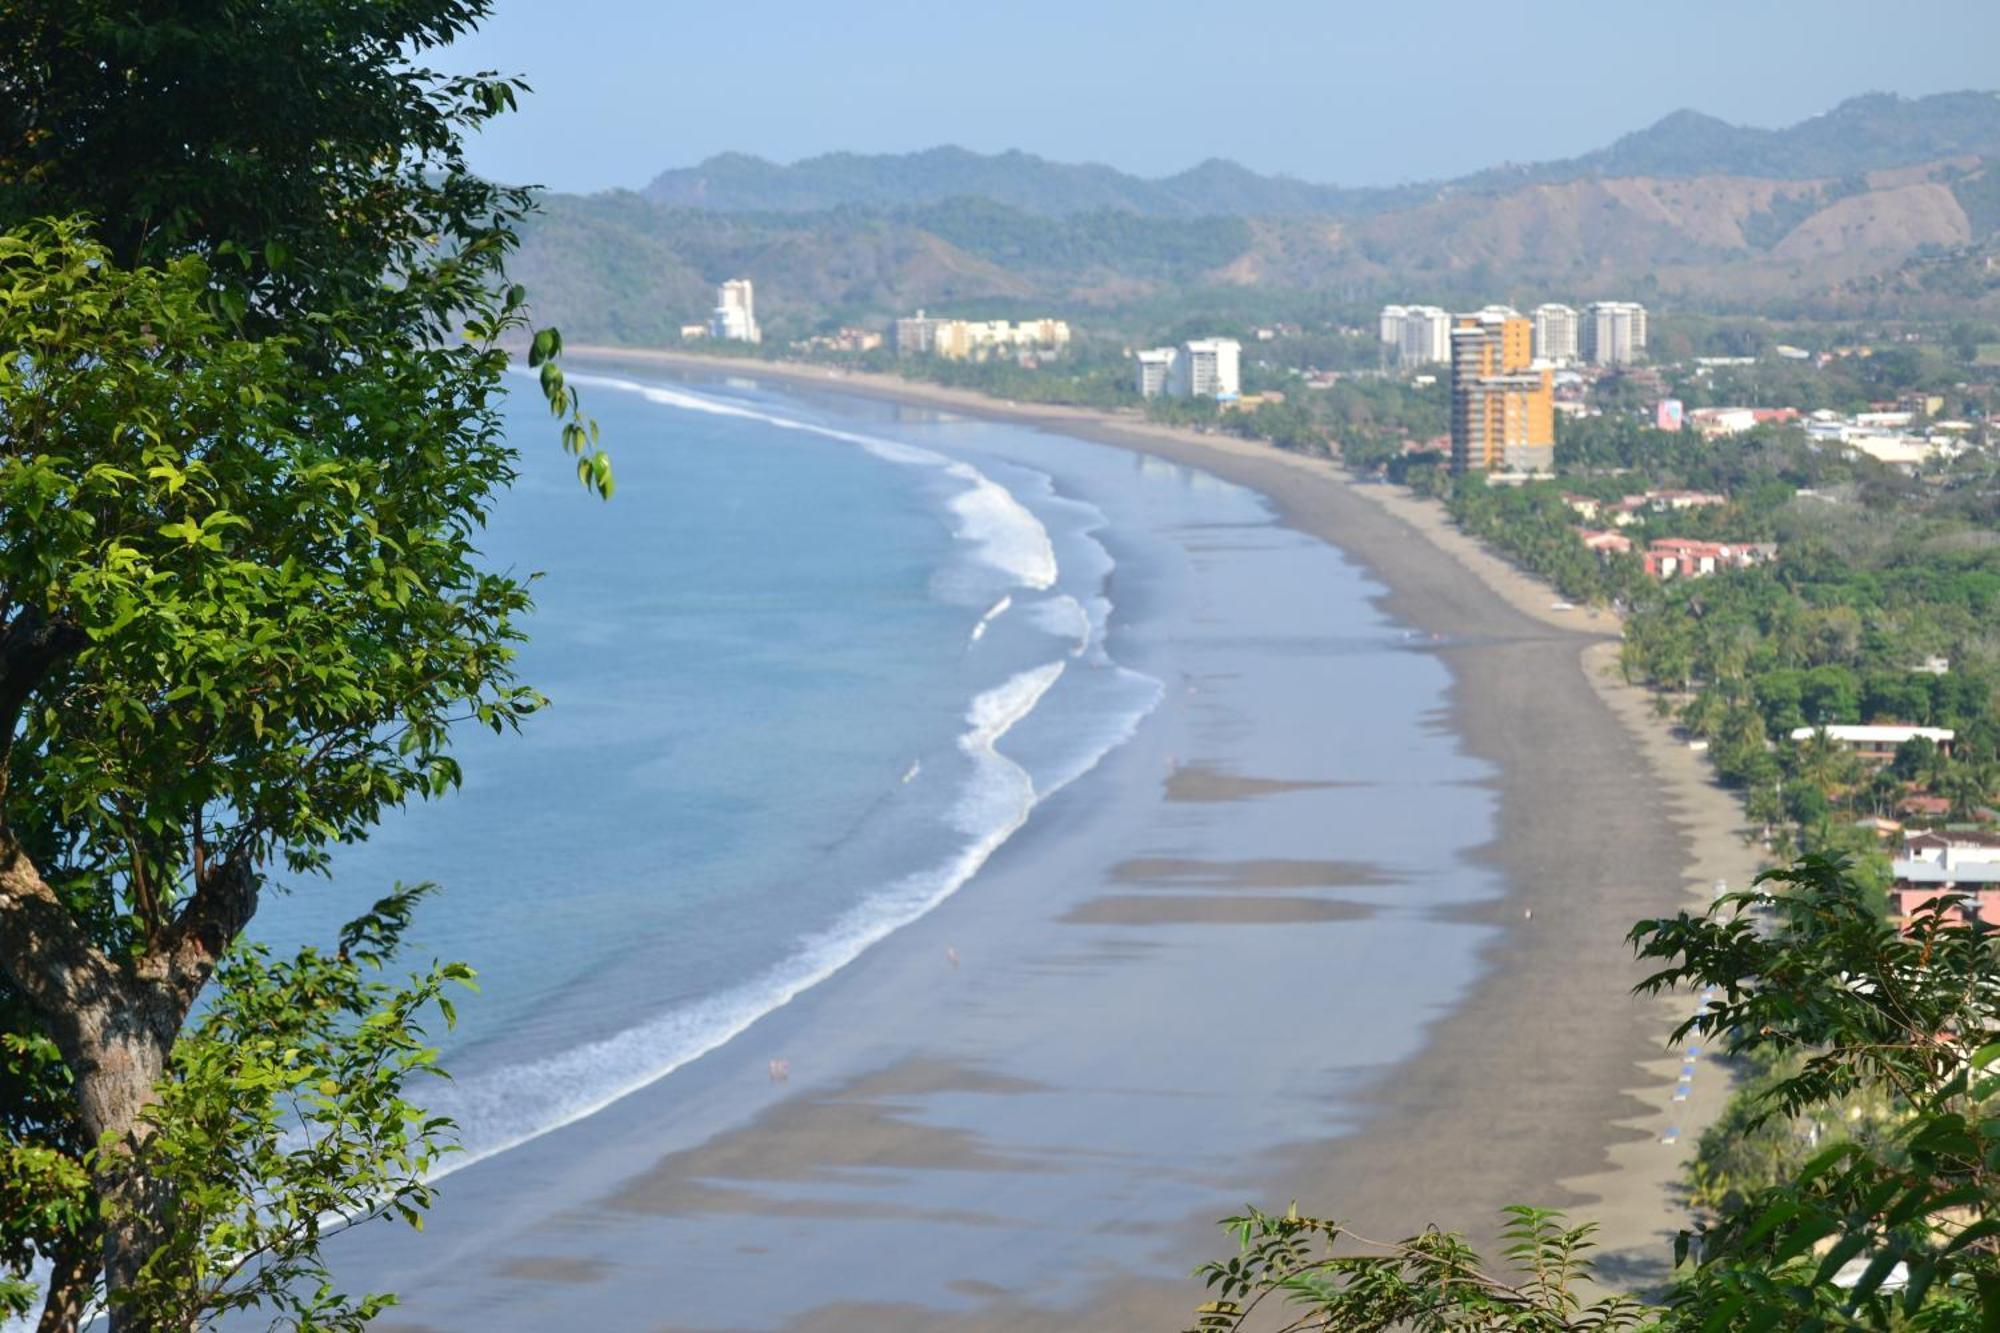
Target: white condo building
column 1613, row 333
column 1419, row 334
column 1201, row 368
column 1556, row 333
column 1156, row 370
column 735, row 314
column 1210, row 368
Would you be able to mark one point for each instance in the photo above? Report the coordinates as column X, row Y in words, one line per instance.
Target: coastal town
column 1562, row 437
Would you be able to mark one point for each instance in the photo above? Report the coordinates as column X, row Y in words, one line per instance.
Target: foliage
column 1427, row 1283
column 1892, row 1230
column 287, row 1118
column 248, row 438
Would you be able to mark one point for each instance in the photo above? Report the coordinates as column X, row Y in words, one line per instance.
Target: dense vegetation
column 1886, row 1224
column 249, row 432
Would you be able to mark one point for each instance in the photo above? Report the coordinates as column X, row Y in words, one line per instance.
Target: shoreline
column 1595, row 1091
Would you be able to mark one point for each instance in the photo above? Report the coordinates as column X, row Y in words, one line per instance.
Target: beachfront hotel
column 734, row 318
column 1198, row 368
column 1502, row 404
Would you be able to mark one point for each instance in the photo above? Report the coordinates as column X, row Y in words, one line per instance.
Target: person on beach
column 781, row 1070
column 951, row 956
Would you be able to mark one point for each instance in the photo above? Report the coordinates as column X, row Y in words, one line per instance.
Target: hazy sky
column 1329, row 90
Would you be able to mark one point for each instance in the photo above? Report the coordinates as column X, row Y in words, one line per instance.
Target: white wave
column 993, row 613
column 999, row 527
column 1066, row 616
column 544, row 1095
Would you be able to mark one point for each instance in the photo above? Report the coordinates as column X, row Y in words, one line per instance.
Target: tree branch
column 223, row 901
column 49, row 958
column 30, row 647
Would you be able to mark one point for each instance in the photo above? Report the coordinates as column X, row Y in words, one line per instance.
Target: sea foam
column 999, row 528
column 504, row 1108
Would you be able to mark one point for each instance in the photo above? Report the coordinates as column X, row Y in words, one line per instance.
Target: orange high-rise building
column 1503, row 406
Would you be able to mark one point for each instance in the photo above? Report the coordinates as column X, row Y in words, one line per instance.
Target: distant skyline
column 1330, row 92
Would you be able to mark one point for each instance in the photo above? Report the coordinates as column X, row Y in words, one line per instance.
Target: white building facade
column 1613, row 333
column 1156, row 370
column 1556, row 334
column 1200, row 368
column 735, row 315
column 1210, row 368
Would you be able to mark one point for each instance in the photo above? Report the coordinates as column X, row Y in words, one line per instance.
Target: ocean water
column 806, row 678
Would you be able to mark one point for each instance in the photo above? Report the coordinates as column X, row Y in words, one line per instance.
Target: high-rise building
column 1426, row 338
column 1156, row 370
column 1613, row 333
column 1208, row 368
column 1202, row 368
column 1502, row 404
column 1555, row 334
column 735, row 313
column 1392, row 327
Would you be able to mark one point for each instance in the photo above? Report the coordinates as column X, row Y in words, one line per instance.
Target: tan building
column 1503, row 416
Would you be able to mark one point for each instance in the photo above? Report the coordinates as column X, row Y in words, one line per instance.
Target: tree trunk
column 113, row 1090
column 115, row 1023
column 72, row 1279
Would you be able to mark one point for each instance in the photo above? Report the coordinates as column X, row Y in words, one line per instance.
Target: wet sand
column 1543, row 1082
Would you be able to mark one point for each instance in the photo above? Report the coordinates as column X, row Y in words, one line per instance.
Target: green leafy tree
column 1890, row 1230
column 252, row 302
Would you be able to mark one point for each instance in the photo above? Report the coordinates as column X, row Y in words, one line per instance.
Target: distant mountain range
column 1869, row 133
column 1882, row 205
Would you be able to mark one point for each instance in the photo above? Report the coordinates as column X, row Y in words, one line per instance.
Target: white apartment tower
column 735, row 315
column 1555, row 334
column 1208, row 368
column 1613, row 333
column 1156, row 371
column 1424, row 336
column 1202, row 368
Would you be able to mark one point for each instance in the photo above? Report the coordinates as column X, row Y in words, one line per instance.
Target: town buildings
column 1715, row 422
column 1887, row 437
column 1199, row 368
column 1556, row 329
column 1933, row 865
column 1878, row 743
column 1502, row 405
column 975, row 340
column 1417, row 335
column 735, row 315
column 849, row 340
column 1631, row 508
column 1613, row 333
column 1682, row 558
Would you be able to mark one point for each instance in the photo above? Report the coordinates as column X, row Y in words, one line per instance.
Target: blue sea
column 806, row 677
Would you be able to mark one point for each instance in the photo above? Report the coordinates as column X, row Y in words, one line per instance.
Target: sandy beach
column 1544, row 1082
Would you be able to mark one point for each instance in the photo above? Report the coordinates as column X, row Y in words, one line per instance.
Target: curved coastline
column 1550, row 1084
column 504, row 1108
